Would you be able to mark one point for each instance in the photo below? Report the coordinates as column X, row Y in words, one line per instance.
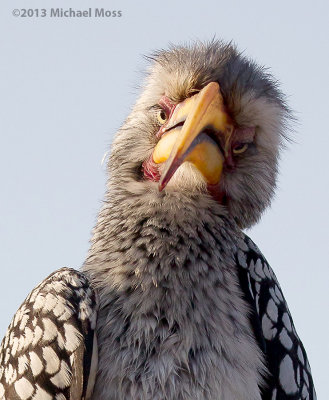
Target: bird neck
column 142, row 236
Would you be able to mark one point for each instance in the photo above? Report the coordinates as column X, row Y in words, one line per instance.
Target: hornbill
column 173, row 301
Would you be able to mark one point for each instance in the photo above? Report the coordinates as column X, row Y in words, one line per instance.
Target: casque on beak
column 198, row 131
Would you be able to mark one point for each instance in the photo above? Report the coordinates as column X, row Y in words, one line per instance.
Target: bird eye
column 240, row 148
column 161, row 116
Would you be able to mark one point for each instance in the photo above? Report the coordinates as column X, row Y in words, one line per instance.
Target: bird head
column 208, row 122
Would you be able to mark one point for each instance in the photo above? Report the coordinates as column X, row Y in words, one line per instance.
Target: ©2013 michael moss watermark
column 66, row 13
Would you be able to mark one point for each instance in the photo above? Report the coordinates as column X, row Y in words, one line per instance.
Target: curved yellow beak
column 186, row 136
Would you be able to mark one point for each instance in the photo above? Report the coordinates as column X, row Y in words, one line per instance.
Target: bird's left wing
column 49, row 351
column 290, row 374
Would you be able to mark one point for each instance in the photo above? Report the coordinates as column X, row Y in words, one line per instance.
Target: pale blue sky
column 67, row 84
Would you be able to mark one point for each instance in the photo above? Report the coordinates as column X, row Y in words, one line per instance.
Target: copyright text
column 66, row 13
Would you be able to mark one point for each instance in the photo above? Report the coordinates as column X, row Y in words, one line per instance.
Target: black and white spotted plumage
column 188, row 307
column 47, row 352
column 290, row 374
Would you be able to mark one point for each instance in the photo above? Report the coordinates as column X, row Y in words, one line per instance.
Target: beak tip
column 164, row 181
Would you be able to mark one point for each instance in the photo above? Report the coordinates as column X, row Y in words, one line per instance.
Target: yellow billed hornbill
column 174, row 301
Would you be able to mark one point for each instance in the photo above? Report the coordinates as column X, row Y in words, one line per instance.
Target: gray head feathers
column 163, row 262
column 252, row 97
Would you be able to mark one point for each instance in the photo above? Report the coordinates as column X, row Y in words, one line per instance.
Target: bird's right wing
column 50, row 349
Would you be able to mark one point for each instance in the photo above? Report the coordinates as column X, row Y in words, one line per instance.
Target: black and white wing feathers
column 290, row 374
column 49, row 351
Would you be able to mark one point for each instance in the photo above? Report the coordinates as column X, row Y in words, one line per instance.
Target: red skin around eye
column 168, row 106
column 241, row 135
column 149, row 167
